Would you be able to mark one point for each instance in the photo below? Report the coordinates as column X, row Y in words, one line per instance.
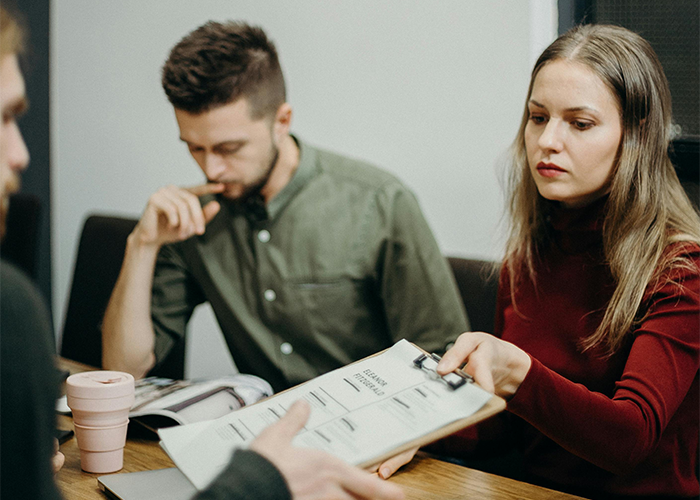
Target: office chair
column 478, row 284
column 477, row 281
column 20, row 244
column 97, row 265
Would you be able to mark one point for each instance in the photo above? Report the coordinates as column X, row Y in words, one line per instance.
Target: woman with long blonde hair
column 597, row 338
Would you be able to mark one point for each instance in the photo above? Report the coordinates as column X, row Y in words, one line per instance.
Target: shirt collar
column 304, row 173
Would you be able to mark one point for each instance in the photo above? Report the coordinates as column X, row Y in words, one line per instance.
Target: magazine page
column 189, row 401
column 359, row 413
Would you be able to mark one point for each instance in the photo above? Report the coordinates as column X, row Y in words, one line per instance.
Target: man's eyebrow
column 225, row 144
column 233, row 142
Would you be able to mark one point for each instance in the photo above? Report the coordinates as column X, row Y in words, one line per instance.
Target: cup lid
column 101, row 384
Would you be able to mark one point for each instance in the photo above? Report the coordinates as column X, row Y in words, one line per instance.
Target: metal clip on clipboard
column 429, row 362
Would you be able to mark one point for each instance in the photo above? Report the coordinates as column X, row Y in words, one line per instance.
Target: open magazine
column 164, row 402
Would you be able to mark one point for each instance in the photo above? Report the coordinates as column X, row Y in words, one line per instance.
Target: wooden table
column 424, row 478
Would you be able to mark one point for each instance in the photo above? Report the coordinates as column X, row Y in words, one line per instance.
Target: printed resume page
column 359, row 413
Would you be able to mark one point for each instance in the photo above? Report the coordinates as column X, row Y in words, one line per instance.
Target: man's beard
column 252, row 201
column 255, row 189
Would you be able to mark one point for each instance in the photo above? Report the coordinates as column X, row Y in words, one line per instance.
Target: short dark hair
column 218, row 63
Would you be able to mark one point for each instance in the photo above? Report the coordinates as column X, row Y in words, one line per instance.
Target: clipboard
column 492, row 407
column 364, row 413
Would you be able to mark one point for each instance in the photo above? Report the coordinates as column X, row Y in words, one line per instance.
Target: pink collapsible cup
column 100, row 402
column 101, row 448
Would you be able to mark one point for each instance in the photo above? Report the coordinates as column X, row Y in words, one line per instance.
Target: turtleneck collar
column 588, row 218
column 577, row 230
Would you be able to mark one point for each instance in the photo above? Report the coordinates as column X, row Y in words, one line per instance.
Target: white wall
column 432, row 91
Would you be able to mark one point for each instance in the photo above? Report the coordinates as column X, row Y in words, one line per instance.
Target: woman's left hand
column 496, row 365
column 387, row 468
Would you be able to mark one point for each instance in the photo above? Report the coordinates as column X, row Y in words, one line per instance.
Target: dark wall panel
column 35, row 126
column 671, row 27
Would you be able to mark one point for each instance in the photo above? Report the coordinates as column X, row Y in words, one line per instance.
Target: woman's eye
column 537, row 119
column 579, row 125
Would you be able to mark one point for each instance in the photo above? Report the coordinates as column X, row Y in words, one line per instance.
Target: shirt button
column 270, row 295
column 264, row 236
column 286, row 348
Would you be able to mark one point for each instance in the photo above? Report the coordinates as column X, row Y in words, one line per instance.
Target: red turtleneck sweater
column 626, row 424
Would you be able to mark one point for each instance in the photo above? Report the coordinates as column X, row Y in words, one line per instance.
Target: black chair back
column 477, row 281
column 97, row 266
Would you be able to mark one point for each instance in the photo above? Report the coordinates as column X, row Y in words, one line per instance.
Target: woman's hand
column 387, row 468
column 496, row 365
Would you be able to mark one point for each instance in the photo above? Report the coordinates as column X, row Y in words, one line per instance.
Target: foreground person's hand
column 58, row 458
column 314, row 474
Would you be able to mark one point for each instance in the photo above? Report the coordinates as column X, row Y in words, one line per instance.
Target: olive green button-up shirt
column 344, row 266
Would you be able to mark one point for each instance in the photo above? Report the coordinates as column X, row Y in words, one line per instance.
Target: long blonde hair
column 647, row 209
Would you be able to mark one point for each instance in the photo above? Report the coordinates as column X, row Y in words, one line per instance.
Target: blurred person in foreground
column 272, row 469
column 28, row 379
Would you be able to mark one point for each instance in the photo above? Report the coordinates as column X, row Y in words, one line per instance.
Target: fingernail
column 384, row 472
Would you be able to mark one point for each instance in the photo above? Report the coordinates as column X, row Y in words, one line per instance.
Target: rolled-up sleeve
column 175, row 294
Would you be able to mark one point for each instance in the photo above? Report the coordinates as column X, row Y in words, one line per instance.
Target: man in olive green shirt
column 310, row 260
column 271, row 469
